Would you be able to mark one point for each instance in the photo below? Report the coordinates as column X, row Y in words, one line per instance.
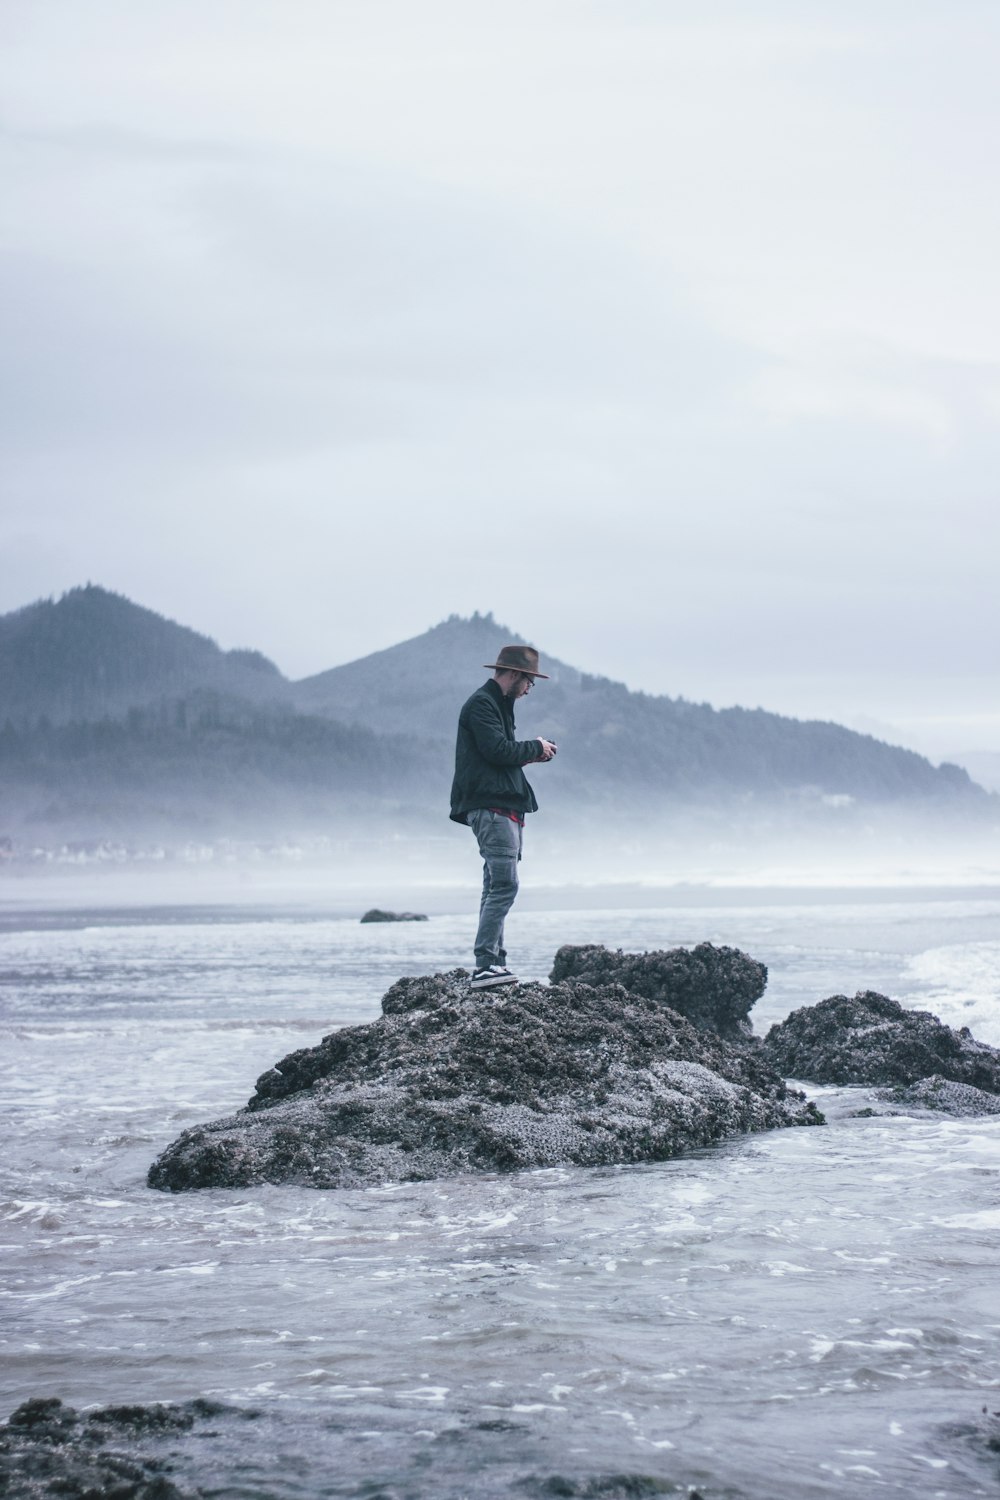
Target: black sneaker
column 484, row 979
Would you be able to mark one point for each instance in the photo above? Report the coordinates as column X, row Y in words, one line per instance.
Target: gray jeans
column 500, row 843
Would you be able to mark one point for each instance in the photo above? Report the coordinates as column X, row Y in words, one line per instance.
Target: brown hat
column 517, row 659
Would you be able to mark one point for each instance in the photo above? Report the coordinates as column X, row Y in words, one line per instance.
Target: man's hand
column 548, row 749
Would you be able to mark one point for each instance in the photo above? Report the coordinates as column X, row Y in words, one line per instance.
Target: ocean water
column 802, row 1313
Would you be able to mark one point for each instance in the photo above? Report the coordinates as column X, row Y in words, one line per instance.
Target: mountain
column 203, row 766
column 117, row 721
column 93, row 654
column 982, row 765
column 417, row 686
column 620, row 746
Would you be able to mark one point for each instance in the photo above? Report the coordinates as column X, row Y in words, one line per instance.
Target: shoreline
column 333, row 899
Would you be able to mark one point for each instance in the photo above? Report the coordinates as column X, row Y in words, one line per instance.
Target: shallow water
column 801, row 1313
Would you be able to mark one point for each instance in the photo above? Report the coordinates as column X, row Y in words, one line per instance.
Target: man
column 491, row 794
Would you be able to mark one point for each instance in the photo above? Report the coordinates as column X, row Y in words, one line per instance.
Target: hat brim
column 505, row 666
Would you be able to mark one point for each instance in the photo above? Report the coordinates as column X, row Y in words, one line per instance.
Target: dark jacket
column 488, row 759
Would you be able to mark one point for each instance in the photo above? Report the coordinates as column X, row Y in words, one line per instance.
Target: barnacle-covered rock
column 450, row 1081
column 872, row 1039
column 960, row 1100
column 376, row 914
column 49, row 1448
column 713, row 987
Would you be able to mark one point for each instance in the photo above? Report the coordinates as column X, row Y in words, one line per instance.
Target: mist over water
column 569, row 860
column 800, row 1313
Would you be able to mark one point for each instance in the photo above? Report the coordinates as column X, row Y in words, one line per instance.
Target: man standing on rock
column 491, row 794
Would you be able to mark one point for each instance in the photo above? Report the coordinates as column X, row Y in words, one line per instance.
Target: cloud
column 673, row 342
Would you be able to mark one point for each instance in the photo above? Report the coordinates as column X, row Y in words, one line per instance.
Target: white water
column 802, row 1313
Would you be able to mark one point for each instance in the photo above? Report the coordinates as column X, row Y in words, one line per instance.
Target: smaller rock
column 712, row 987
column 48, row 1448
column 605, row 1487
column 958, row 1099
column 46, row 1418
column 979, row 1436
column 874, row 1040
column 376, row 915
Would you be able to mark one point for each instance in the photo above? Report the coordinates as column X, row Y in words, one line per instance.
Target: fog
column 658, row 861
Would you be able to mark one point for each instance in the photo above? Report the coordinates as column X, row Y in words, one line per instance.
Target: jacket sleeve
column 489, row 732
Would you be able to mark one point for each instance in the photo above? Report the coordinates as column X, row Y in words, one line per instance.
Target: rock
column 979, row 1436
column 874, row 1040
column 375, row 915
column 47, row 1448
column 605, row 1487
column 958, row 1099
column 451, row 1081
column 713, row 987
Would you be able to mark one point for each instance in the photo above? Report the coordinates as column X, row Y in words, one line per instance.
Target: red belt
column 505, row 812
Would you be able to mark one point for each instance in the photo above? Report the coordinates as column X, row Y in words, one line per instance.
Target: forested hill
column 94, row 654
column 112, row 717
column 620, row 746
column 418, row 686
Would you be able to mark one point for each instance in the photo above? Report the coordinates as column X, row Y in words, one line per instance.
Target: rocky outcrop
column 168, row 1452
column 714, row 988
column 453, row 1081
column 47, row 1448
column 377, row 915
column 960, row 1100
column 874, row 1040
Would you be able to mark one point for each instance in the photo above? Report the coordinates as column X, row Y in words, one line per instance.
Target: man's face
column 520, row 684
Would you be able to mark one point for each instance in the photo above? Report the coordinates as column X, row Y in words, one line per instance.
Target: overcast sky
column 668, row 332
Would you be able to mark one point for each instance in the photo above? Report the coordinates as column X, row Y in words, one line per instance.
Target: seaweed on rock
column 713, row 987
column 871, row 1039
column 450, row 1081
